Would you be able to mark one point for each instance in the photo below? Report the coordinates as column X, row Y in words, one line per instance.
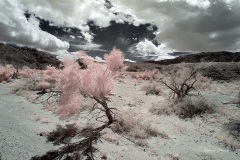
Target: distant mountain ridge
column 222, row 56
column 24, row 56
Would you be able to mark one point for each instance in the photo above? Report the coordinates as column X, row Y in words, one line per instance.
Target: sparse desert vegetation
column 143, row 111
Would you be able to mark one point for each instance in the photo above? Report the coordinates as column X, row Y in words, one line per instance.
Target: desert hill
column 24, row 56
column 222, row 56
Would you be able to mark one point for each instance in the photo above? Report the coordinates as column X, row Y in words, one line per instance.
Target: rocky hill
column 24, row 56
column 222, row 56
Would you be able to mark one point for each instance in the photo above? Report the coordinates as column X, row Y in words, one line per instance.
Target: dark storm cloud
column 217, row 28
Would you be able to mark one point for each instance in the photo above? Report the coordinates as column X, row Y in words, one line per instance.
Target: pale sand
column 22, row 121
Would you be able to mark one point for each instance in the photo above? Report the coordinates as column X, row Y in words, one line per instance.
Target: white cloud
column 89, row 46
column 72, row 36
column 147, row 48
column 99, row 59
column 14, row 28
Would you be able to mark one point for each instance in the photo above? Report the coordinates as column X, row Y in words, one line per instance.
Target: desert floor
column 200, row 138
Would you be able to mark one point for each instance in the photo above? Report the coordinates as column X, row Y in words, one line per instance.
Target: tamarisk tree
column 74, row 85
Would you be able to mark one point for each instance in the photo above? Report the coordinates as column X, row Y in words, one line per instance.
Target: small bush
column 189, row 107
column 184, row 108
column 230, row 137
column 233, row 128
column 135, row 125
column 146, row 75
column 161, row 109
column 151, row 88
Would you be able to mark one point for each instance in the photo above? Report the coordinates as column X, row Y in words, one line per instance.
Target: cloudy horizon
column 142, row 28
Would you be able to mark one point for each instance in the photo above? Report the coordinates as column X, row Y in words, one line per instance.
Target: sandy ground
column 20, row 128
column 22, row 121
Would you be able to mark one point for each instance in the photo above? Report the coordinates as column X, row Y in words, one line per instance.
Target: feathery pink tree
column 114, row 60
column 75, row 84
column 95, row 82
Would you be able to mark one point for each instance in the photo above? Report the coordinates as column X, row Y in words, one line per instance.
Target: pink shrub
column 68, row 83
column 114, row 60
column 95, row 82
column 6, row 72
column 69, row 105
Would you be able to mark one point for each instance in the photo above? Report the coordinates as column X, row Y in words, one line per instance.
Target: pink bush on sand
column 95, row 82
column 6, row 72
column 114, row 60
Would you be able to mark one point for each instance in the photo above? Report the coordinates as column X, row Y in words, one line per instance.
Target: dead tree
column 181, row 86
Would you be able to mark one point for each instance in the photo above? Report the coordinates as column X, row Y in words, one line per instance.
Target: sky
column 168, row 25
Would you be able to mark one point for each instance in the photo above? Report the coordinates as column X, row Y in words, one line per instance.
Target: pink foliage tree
column 114, row 60
column 75, row 84
column 95, row 82
column 68, row 83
